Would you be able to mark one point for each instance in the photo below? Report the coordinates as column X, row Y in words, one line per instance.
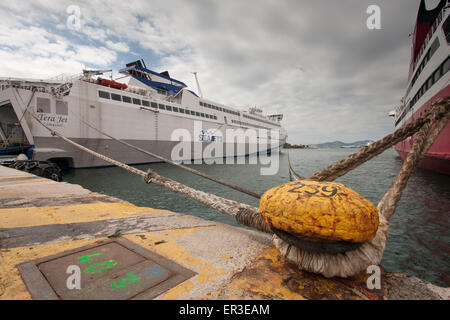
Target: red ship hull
column 438, row 157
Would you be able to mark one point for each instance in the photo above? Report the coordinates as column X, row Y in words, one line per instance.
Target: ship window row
column 126, row 99
column 260, row 120
column 162, row 92
column 433, row 48
column 187, row 111
column 248, row 124
column 430, row 35
column 145, row 103
column 213, row 107
column 435, row 76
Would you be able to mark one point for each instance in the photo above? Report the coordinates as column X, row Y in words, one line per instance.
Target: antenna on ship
column 198, row 84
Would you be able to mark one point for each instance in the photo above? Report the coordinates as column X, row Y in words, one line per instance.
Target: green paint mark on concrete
column 107, row 265
column 87, row 258
column 131, row 278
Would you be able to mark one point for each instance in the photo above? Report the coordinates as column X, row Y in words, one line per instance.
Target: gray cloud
column 315, row 61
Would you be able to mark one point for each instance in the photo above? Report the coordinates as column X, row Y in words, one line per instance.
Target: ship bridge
column 161, row 82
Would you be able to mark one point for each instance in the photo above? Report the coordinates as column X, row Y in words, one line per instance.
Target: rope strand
column 437, row 111
column 222, row 205
column 344, row 264
column 422, row 142
column 201, row 174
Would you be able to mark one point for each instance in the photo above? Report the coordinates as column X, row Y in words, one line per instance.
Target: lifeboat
column 113, row 84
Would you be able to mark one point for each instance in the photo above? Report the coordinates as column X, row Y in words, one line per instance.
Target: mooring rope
column 343, row 264
column 353, row 262
column 292, row 173
column 439, row 112
column 436, row 112
column 427, row 128
column 223, row 205
column 199, row 173
column 423, row 141
column 371, row 252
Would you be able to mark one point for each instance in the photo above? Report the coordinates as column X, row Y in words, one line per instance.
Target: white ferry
column 143, row 109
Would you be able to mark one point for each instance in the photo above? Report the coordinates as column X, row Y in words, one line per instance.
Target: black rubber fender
column 43, row 169
column 316, row 245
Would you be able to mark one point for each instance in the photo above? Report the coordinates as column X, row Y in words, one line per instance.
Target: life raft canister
column 320, row 210
column 113, row 84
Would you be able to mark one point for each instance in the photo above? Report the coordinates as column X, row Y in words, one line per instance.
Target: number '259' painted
column 325, row 191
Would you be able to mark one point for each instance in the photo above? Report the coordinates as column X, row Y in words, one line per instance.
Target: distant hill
column 340, row 144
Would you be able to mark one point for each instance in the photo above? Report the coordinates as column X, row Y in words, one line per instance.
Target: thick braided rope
column 435, row 133
column 226, row 206
column 223, row 205
column 201, row 174
column 251, row 218
column 293, row 174
column 344, row 264
column 98, row 155
column 423, row 140
column 370, row 253
column 437, row 111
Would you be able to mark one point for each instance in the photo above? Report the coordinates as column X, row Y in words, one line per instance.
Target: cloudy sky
column 314, row 61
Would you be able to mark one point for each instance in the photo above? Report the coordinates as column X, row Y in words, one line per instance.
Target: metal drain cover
column 114, row 269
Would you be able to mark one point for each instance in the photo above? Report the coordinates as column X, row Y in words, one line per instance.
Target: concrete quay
column 53, row 234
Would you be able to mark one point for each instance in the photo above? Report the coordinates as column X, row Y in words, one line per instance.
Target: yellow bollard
column 321, row 211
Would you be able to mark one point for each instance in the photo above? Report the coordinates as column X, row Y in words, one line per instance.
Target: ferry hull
column 441, row 165
column 70, row 156
column 438, row 156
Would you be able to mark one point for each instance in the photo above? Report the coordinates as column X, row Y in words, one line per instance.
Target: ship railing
column 58, row 85
column 62, row 90
column 65, row 77
column 58, row 77
column 5, row 143
column 174, row 99
column 149, row 94
column 67, row 83
column 139, row 91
